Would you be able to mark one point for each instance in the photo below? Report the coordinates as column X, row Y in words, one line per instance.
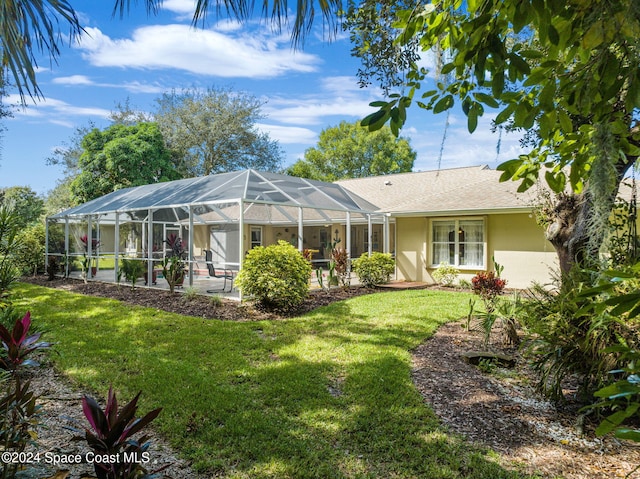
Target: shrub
column 375, row 269
column 276, row 276
column 30, row 249
column 132, row 269
column 446, row 274
column 577, row 331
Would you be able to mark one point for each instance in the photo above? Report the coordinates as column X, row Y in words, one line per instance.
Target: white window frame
column 457, row 243
column 253, row 244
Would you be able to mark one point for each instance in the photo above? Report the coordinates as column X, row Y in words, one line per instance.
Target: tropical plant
column 446, row 274
column 621, row 398
column 374, row 270
column 17, row 344
column 89, row 258
column 19, row 416
column 340, row 259
column 576, row 329
column 276, row 276
column 9, row 229
column 173, row 265
column 111, row 435
column 132, row 269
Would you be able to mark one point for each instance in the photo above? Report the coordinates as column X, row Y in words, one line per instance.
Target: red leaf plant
column 118, row 454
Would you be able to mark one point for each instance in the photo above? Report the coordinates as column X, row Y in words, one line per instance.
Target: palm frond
column 27, row 27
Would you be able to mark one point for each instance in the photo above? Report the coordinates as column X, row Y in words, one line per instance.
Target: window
column 459, row 243
column 256, row 236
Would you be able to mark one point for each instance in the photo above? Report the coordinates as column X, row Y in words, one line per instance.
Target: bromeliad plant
column 111, row 434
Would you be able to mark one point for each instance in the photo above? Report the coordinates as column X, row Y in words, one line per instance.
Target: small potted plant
column 173, row 265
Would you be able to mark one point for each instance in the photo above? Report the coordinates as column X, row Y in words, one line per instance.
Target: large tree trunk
column 572, row 232
column 569, row 233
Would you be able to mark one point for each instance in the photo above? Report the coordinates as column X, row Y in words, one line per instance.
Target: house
column 462, row 216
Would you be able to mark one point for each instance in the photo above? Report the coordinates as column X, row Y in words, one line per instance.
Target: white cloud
column 58, row 111
column 289, row 134
column 73, row 80
column 132, row 86
column 203, row 52
column 179, row 6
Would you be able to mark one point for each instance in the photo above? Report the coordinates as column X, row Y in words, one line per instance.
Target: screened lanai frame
column 232, row 201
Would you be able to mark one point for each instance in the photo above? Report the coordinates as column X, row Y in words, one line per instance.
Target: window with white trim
column 458, row 242
column 256, row 236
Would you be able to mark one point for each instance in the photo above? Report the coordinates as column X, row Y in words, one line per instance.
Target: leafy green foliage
column 24, row 202
column 577, row 330
column 566, row 72
column 374, row 270
column 120, row 157
column 29, row 28
column 9, row 228
column 30, row 249
column 276, row 276
column 621, row 398
column 351, row 151
column 446, row 274
column 111, row 434
column 566, row 75
column 132, row 269
column 215, row 131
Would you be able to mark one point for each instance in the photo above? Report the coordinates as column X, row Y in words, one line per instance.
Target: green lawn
column 327, row 395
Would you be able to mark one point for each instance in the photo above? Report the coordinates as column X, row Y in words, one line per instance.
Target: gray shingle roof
column 456, row 190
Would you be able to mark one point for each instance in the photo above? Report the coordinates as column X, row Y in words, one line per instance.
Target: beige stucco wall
column 411, row 253
column 515, row 240
column 518, row 244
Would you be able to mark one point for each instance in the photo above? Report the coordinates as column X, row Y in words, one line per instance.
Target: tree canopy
column 215, row 130
column 351, row 151
column 119, row 157
column 26, row 204
column 569, row 70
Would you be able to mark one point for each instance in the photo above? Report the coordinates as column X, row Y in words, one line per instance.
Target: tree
column 119, row 157
column 24, row 203
column 214, row 131
column 351, row 151
column 567, row 69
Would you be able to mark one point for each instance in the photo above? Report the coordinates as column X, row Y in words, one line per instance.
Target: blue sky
column 139, row 57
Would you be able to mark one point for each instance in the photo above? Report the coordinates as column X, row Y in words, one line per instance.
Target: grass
column 327, row 395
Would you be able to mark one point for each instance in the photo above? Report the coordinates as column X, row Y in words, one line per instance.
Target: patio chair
column 214, row 272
